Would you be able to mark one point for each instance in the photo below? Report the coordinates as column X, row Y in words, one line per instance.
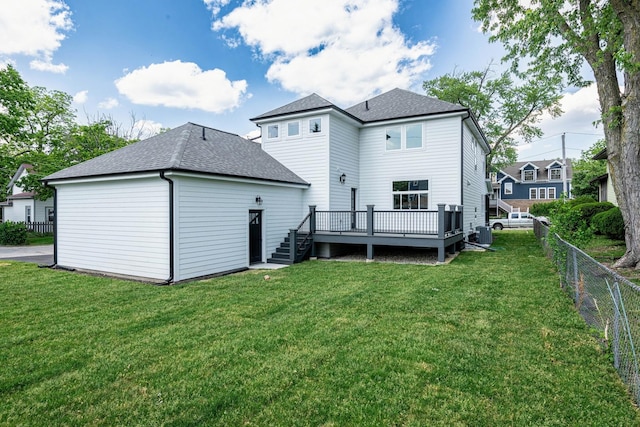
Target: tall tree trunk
column 623, row 145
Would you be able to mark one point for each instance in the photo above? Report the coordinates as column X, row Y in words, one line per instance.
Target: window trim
column 415, row 193
column 533, row 191
column 549, row 191
column 315, row 132
column 508, row 188
column 404, row 133
column 277, row 127
column 403, row 137
column 551, row 178
column 524, row 175
column 297, row 135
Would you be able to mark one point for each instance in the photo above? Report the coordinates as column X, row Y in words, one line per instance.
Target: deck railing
column 438, row 223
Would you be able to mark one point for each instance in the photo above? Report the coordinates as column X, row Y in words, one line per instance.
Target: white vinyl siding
column 307, row 158
column 343, row 160
column 212, row 223
column 438, row 161
column 117, row 226
column 474, row 186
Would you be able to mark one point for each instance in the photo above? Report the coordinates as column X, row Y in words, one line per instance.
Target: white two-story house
column 399, row 169
column 24, row 206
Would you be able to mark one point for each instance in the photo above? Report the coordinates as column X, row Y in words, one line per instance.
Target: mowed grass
column 487, row 340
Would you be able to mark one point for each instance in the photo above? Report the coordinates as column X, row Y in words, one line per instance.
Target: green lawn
column 487, row 340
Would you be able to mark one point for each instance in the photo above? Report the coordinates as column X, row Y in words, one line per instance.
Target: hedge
column 609, row 223
column 13, row 233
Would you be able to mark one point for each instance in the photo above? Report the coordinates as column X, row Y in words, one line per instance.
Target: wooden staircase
column 282, row 255
column 302, row 238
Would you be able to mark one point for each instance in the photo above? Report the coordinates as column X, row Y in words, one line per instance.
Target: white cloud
column 215, row 5
column 34, row 28
column 46, row 65
column 346, row 50
column 108, row 104
column 180, row 84
column 81, row 97
column 143, row 129
column 581, row 109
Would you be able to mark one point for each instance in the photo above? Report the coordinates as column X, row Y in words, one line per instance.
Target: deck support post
column 370, row 231
column 441, row 222
column 312, row 228
column 293, row 245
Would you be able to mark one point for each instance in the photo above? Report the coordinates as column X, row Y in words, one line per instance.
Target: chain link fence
column 607, row 301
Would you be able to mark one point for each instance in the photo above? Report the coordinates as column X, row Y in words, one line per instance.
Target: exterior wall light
column 343, row 178
column 258, row 200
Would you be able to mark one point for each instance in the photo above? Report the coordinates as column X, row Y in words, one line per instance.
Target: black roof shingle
column 185, row 149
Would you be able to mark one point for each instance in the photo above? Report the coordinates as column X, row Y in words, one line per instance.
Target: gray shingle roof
column 183, row 149
column 395, row 104
column 514, row 169
column 399, row 103
column 308, row 103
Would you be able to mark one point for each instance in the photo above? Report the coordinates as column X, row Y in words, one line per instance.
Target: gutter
column 170, row 279
column 462, row 158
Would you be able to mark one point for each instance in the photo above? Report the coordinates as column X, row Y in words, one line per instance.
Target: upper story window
column 529, row 175
column 555, row 174
column 394, row 138
column 413, row 136
column 315, row 125
column 293, row 129
column 493, row 176
column 411, row 195
column 404, row 137
column 508, row 188
column 272, row 131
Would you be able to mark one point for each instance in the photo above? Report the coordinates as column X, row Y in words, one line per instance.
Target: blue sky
column 221, row 62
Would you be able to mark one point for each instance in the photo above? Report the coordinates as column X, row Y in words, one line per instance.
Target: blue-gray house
column 522, row 184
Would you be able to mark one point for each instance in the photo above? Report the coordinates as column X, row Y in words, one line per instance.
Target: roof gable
column 516, row 168
column 16, row 176
column 309, row 103
column 399, row 103
column 190, row 148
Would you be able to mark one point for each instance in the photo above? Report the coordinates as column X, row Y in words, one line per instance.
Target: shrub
column 589, row 210
column 543, row 209
column 581, row 200
column 609, row 223
column 13, row 233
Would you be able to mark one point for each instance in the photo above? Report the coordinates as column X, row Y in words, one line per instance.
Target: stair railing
column 297, row 251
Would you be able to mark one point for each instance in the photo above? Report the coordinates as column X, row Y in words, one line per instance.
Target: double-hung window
column 555, row 174
column 411, row 195
column 528, row 175
column 406, row 137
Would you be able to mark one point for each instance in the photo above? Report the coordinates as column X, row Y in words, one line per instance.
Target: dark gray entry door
column 255, row 236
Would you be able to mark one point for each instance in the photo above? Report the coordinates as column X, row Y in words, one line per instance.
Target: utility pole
column 564, row 169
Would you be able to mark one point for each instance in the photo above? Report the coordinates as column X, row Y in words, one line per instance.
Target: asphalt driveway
column 42, row 254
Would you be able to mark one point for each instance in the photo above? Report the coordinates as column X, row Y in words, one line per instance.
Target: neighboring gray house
column 394, row 170
column 23, row 206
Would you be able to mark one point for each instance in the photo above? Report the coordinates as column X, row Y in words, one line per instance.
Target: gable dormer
column 529, row 172
column 554, row 171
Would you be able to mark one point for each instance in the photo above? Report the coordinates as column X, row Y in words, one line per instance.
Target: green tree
column 16, row 101
column 505, row 109
column 555, row 38
column 585, row 170
column 84, row 142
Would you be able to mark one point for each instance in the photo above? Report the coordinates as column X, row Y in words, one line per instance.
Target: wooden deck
column 441, row 229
